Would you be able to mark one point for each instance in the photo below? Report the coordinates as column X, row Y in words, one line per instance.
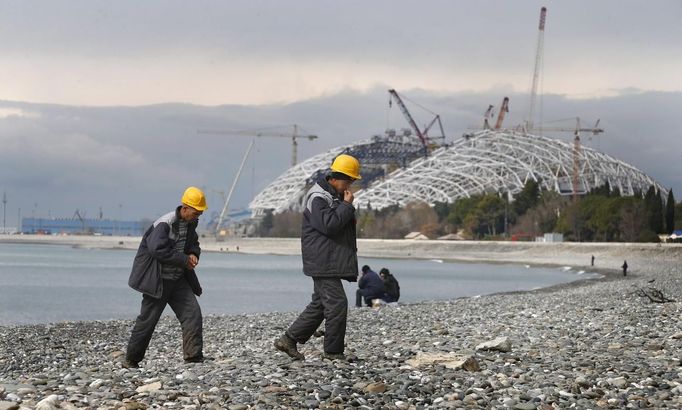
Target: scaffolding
column 487, row 161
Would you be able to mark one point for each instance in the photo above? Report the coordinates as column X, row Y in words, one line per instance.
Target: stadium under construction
column 399, row 169
column 412, row 166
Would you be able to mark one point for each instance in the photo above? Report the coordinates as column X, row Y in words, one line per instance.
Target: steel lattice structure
column 487, row 161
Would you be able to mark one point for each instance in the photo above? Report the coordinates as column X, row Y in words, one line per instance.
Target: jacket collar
column 322, row 182
column 176, row 222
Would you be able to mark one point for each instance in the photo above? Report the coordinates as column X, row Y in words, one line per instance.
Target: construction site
column 424, row 165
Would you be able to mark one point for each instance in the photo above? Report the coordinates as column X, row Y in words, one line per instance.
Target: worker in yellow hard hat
column 164, row 271
column 328, row 244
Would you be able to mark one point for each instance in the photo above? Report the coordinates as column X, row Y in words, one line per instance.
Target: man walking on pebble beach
column 163, row 270
column 329, row 250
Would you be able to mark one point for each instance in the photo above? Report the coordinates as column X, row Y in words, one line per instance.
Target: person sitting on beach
column 163, row 271
column 370, row 287
column 391, row 286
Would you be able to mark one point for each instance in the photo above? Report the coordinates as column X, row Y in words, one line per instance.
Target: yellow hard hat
column 347, row 165
column 195, row 198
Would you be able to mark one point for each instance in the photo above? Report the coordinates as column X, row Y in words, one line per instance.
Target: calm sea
column 52, row 283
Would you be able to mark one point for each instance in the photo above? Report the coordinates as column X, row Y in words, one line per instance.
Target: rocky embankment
column 595, row 345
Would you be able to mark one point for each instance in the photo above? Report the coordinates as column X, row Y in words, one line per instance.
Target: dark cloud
column 63, row 158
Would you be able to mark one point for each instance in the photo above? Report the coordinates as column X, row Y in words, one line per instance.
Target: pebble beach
column 586, row 344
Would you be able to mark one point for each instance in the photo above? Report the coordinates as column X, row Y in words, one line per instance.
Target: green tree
column 670, row 213
column 461, row 208
column 527, row 198
column 654, row 207
column 442, row 210
column 266, row 223
column 632, row 227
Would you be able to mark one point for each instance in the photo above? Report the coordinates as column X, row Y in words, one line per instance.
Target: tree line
column 600, row 215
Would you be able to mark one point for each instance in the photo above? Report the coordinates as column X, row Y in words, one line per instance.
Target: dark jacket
column 371, row 284
column 392, row 287
column 158, row 248
column 328, row 242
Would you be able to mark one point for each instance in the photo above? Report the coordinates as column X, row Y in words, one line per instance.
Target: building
column 85, row 226
column 394, row 172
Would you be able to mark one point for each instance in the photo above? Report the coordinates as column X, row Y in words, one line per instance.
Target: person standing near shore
column 329, row 251
column 625, row 268
column 163, row 271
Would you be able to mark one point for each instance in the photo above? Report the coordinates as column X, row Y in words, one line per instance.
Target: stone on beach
column 449, row 360
column 500, row 344
column 149, row 387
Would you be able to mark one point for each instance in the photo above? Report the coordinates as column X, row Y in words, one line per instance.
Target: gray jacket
column 158, row 248
column 328, row 237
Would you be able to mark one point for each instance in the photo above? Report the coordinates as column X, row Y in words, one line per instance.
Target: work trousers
column 328, row 303
column 179, row 295
column 367, row 295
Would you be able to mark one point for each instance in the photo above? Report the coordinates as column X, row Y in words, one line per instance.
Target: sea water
column 54, row 283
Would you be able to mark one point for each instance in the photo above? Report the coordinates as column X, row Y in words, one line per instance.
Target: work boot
column 333, row 356
column 129, row 364
column 196, row 359
column 288, row 345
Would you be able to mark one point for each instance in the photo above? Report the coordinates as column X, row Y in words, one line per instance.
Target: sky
column 101, row 100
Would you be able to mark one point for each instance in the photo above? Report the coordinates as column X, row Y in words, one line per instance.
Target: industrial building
column 56, row 226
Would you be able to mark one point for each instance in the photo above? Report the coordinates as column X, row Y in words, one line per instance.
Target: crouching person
column 391, row 286
column 163, row 271
column 370, row 287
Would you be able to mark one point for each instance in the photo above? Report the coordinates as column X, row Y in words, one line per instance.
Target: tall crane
column 504, row 108
column 229, row 195
column 294, row 135
column 423, row 135
column 538, row 66
column 577, row 149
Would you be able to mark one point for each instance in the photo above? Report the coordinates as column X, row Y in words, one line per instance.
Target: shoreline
column 576, row 254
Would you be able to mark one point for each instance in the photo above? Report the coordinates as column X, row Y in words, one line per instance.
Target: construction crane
column 577, row 149
column 256, row 133
column 229, row 194
column 423, row 135
column 538, row 67
column 80, row 215
column 489, row 114
column 504, row 108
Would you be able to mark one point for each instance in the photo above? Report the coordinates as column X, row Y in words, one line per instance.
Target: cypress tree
column 670, row 213
column 654, row 207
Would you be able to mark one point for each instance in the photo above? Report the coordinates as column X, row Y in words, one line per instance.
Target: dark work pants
column 364, row 294
column 181, row 299
column 329, row 303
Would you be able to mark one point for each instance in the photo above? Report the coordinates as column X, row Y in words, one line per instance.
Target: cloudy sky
column 87, row 119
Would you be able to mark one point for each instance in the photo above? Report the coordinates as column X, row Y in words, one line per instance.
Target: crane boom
column 229, row 195
column 538, row 64
column 255, row 133
column 503, row 110
column 409, row 118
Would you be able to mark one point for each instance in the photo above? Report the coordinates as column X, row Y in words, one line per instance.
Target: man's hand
column 192, row 261
column 348, row 196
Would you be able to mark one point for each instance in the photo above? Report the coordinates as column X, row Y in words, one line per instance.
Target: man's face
column 189, row 214
column 341, row 185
